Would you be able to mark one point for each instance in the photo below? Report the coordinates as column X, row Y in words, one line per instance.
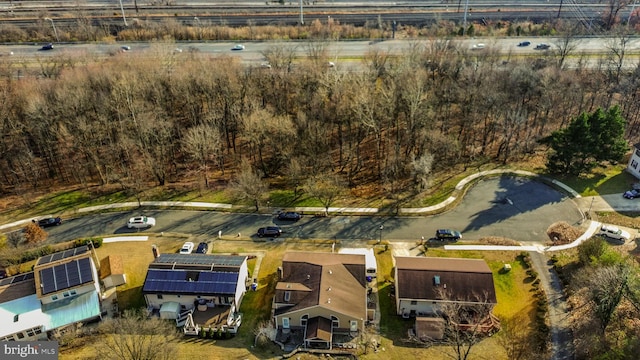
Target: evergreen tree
column 589, row 140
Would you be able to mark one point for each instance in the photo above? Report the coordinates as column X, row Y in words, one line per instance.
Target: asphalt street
column 515, row 208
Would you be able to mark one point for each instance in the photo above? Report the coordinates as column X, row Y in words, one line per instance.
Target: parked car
column 47, row 222
column 631, row 194
column 237, row 47
column 48, row 46
column 448, row 235
column 614, row 232
column 269, row 231
column 187, row 248
column 542, row 46
column 293, row 216
column 141, row 222
column 203, row 247
column 524, row 43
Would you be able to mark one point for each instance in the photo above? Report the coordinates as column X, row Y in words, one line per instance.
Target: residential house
column 321, row 295
column 633, row 167
column 425, row 284
column 197, row 290
column 62, row 290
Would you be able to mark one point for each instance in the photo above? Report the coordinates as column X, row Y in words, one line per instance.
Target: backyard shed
column 170, row 310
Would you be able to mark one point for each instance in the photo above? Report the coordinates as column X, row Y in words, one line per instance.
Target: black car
column 49, row 222
column 48, row 46
column 542, row 46
column 269, row 231
column 448, row 235
column 293, row 216
column 203, row 247
column 524, row 43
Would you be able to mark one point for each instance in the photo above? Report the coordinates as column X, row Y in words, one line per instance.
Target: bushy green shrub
column 97, row 242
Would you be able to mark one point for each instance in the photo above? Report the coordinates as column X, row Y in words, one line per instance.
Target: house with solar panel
column 423, row 285
column 62, row 290
column 201, row 292
column 321, row 297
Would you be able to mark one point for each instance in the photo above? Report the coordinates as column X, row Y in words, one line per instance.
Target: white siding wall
column 634, row 163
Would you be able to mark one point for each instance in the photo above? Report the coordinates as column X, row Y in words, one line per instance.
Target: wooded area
column 167, row 117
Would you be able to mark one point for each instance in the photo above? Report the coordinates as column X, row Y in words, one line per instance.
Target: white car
column 613, row 232
column 141, row 222
column 238, row 47
column 187, row 248
column 478, row 46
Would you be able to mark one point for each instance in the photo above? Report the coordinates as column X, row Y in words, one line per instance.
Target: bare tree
column 565, row 45
column 202, row 143
column 422, row 168
column 515, row 338
column 249, row 185
column 14, row 238
column 135, row 336
column 466, row 322
column 326, row 188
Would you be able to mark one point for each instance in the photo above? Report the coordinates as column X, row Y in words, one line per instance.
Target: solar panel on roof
column 47, row 280
column 66, row 275
column 62, row 255
column 200, row 259
column 176, row 281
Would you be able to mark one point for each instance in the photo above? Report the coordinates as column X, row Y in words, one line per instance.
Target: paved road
column 514, row 208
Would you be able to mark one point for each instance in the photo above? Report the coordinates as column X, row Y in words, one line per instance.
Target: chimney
column 156, row 252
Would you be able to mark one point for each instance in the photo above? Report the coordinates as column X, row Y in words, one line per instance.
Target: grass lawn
column 513, row 298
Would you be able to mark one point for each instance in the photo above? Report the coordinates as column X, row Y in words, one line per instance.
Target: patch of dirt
column 562, row 233
column 495, row 240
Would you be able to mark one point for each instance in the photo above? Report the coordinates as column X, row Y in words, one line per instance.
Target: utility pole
column 55, row 32
column 301, row 16
column 123, row 17
column 464, row 24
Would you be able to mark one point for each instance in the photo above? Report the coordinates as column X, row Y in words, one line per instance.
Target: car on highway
column 187, row 248
column 202, row 248
column 125, row 47
column 237, row 47
column 631, row 194
column 289, row 215
column 269, row 231
column 542, row 46
column 614, row 232
column 524, row 43
column 448, row 235
column 141, row 222
column 48, row 46
column 50, row 221
column 478, row 46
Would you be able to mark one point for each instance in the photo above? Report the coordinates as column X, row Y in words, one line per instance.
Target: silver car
column 141, row 222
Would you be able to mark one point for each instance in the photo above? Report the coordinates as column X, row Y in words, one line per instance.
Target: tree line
column 165, row 117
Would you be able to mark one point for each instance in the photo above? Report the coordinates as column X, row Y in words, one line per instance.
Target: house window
column 414, row 302
column 65, row 294
column 15, row 317
column 353, row 325
column 31, row 332
column 634, row 164
column 285, row 323
column 287, row 296
column 73, row 292
column 335, row 323
column 637, row 152
column 38, row 331
column 159, row 296
column 54, row 297
column 20, row 335
column 303, row 320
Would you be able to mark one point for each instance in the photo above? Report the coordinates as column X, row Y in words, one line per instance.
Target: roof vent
column 329, row 301
column 444, row 286
column 308, row 277
column 330, row 272
column 329, row 289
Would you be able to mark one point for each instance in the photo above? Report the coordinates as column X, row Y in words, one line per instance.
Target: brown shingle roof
column 12, row 290
column 330, row 280
column 424, row 278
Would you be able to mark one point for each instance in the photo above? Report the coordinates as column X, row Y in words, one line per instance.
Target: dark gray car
column 269, row 231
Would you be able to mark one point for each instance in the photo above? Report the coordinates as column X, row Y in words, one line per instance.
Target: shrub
column 97, row 242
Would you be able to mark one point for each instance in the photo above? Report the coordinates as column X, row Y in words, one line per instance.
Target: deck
column 213, row 317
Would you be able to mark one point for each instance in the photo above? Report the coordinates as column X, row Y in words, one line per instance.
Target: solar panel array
column 177, row 282
column 62, row 255
column 200, row 259
column 16, row 279
column 66, row 275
